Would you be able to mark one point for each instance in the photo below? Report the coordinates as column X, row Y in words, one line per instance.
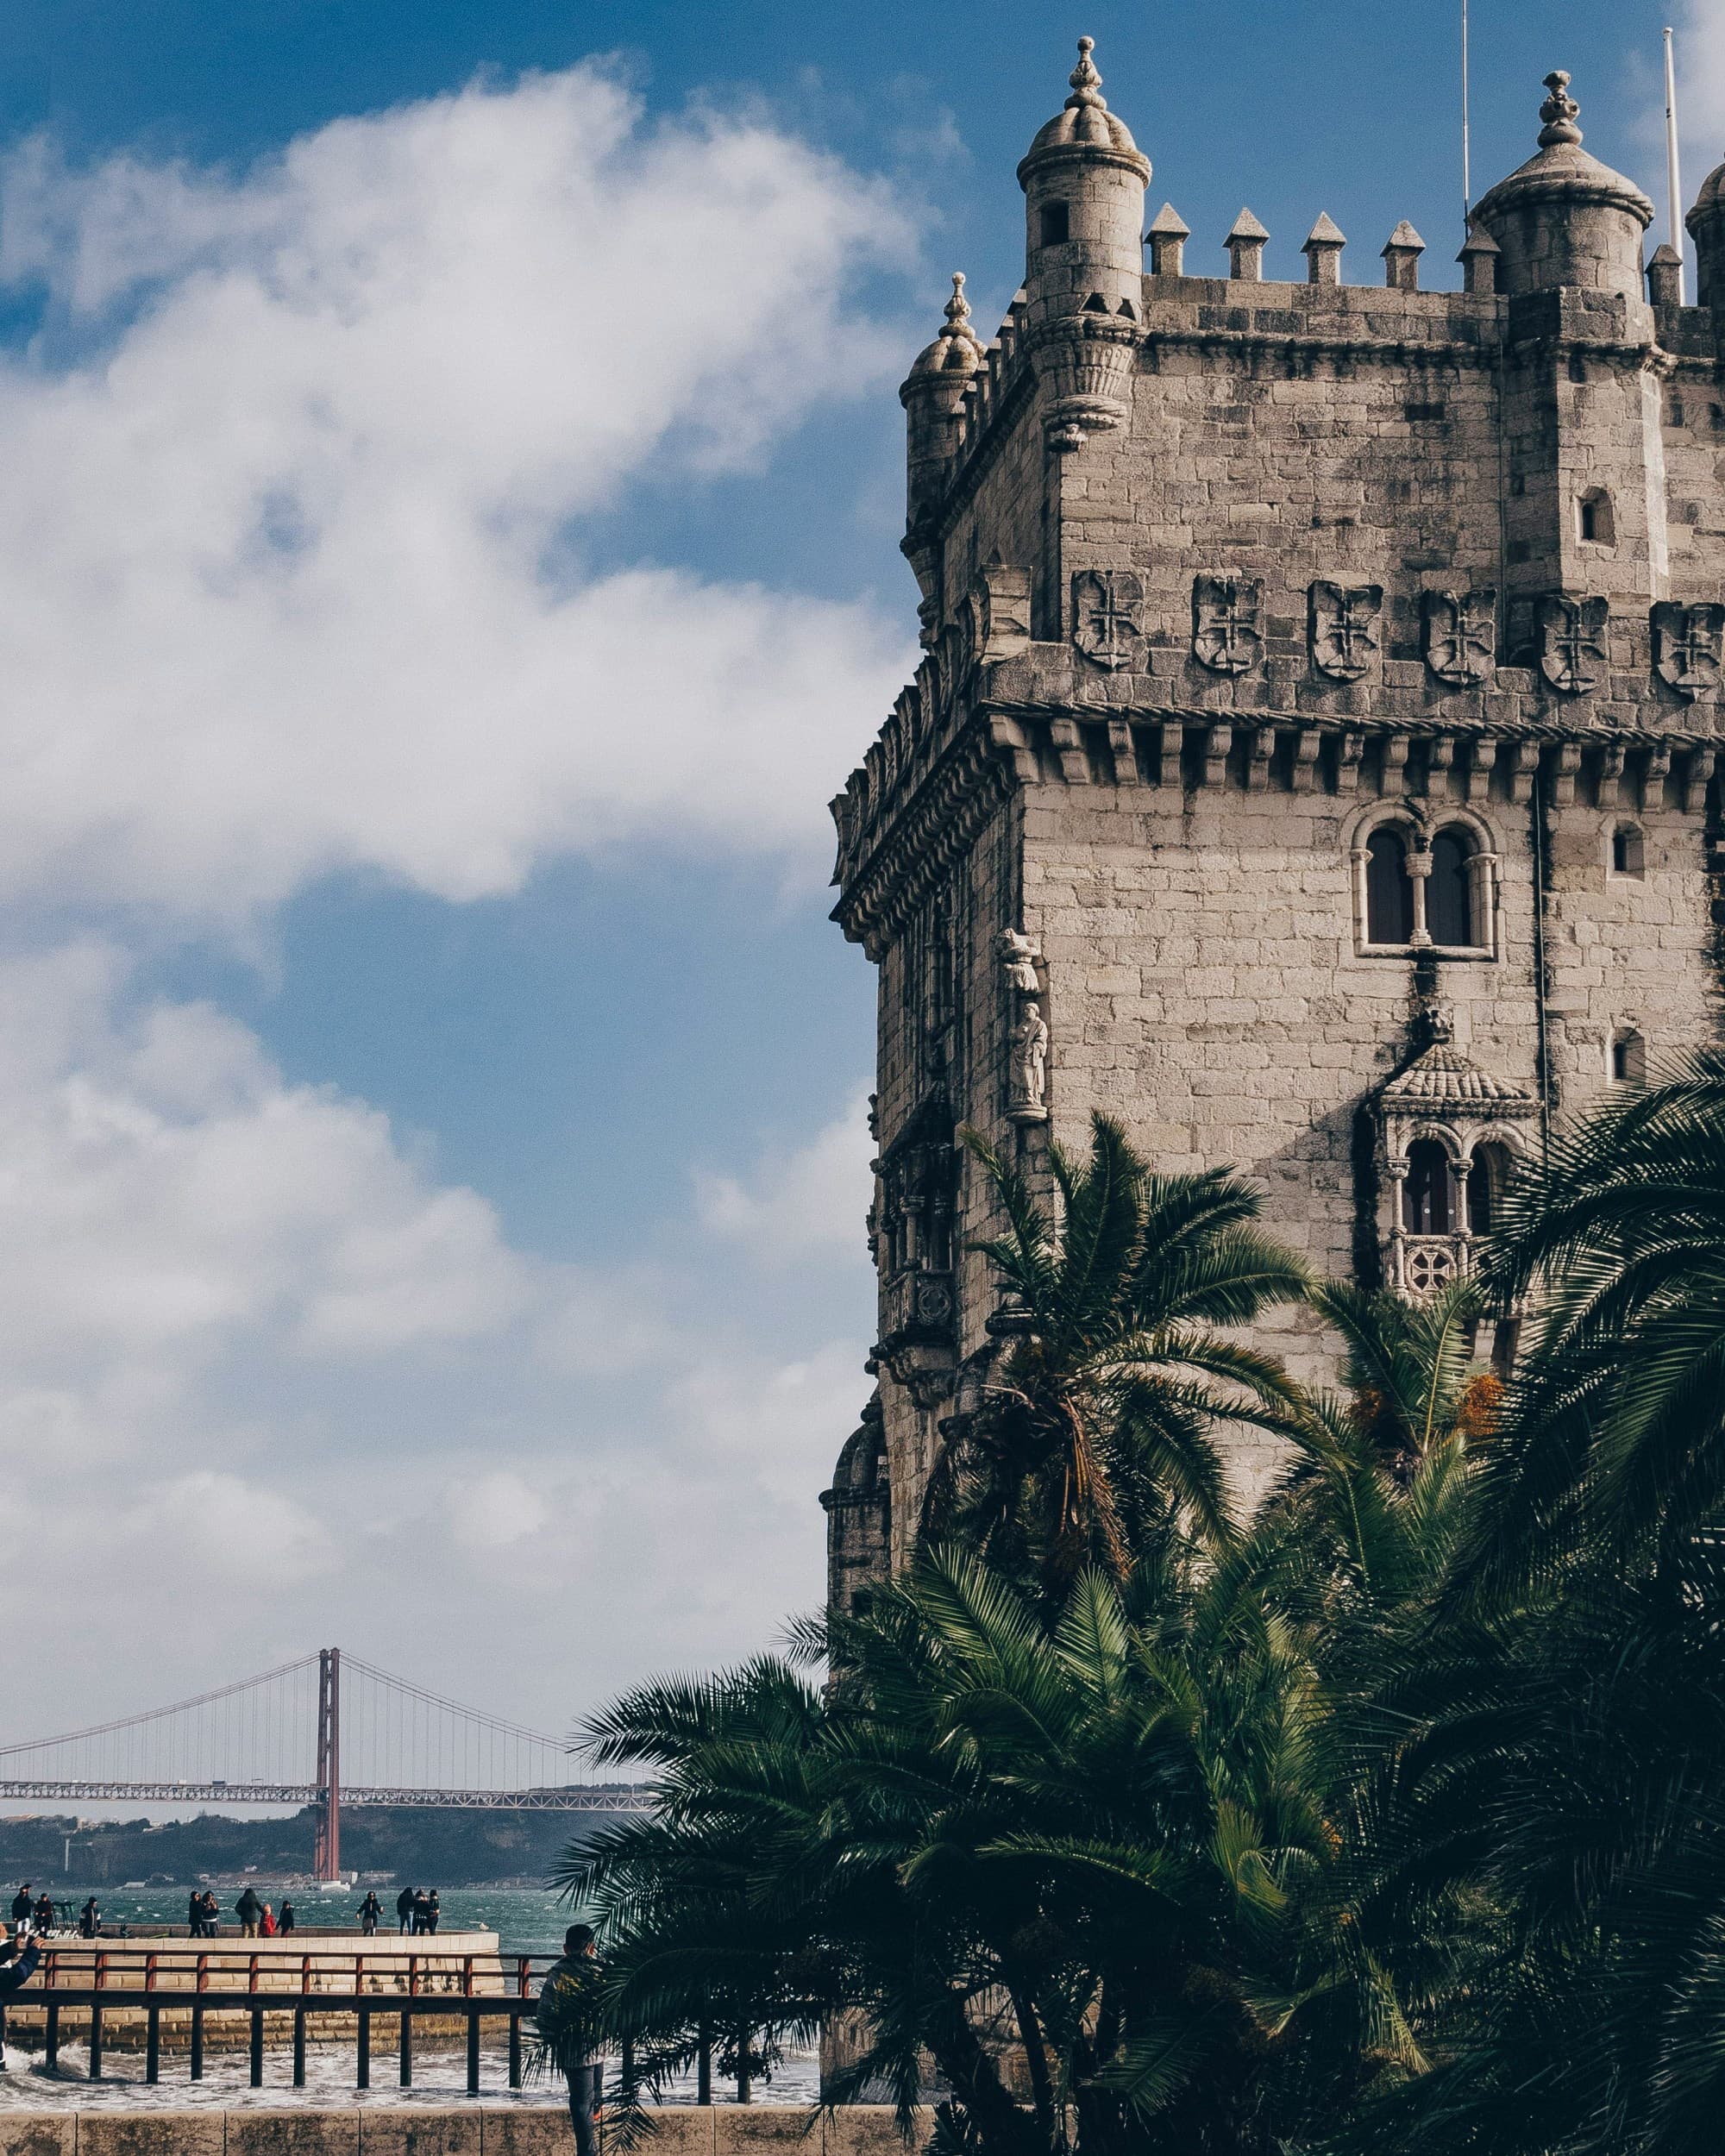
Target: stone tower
column 1311, row 764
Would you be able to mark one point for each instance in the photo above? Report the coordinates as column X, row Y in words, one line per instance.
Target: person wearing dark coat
column 249, row 1910
column 565, row 1981
column 370, row 1910
column 90, row 1919
column 22, row 1967
column 404, row 1909
column 283, row 1923
column 44, row 1918
column 434, row 1910
column 23, row 1907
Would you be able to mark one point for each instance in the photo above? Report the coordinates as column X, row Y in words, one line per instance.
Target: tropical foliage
column 1391, row 1817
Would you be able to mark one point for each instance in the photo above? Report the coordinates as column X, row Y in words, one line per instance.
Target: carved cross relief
column 1459, row 632
column 1105, row 623
column 1687, row 646
column 1342, row 620
column 1225, row 635
column 1572, row 642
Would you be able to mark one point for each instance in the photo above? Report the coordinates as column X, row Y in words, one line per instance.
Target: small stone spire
column 1245, row 244
column 958, row 310
column 1560, row 112
column 1478, row 260
column 1167, row 238
column 1665, row 277
column 1401, row 253
column 1086, row 84
column 1323, row 250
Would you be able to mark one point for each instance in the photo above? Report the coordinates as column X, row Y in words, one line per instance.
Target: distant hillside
column 455, row 1848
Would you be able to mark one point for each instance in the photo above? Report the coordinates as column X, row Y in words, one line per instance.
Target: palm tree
column 1082, row 1867
column 1551, row 1796
column 1095, row 1439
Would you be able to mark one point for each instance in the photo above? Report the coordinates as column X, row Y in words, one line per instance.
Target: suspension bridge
column 369, row 1738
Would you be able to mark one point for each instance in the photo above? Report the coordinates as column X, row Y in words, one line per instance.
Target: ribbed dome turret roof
column 1085, row 122
column 1711, row 196
column 1561, row 166
column 957, row 349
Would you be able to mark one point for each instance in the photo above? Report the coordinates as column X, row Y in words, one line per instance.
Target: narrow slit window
column 1449, row 892
column 1593, row 514
column 1628, row 1057
column 1426, row 1192
column 1388, row 889
column 1628, row 856
column 1054, row 224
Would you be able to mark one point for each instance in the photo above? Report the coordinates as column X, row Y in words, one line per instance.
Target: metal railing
column 404, row 1989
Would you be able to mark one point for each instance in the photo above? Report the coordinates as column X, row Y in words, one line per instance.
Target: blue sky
column 452, row 491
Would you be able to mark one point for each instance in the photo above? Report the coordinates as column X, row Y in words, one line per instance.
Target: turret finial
column 958, row 308
column 1086, row 84
column 1558, row 112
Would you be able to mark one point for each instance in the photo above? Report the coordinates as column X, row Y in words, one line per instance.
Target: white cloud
column 252, row 1349
column 811, row 1200
column 291, row 531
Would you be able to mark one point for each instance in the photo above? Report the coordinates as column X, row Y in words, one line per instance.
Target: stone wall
column 479, row 2130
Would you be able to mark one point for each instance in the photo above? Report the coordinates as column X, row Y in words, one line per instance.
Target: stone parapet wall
column 478, row 2130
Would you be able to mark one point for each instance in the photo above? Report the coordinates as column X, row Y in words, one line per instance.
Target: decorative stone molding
column 1225, row 635
column 1341, row 627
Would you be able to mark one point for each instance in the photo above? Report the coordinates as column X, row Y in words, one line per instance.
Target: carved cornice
column 921, row 840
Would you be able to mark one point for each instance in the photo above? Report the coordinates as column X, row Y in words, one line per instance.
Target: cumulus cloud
column 809, row 1201
column 296, row 473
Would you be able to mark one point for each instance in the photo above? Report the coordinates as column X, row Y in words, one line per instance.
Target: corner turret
column 1083, row 179
column 933, row 395
column 1563, row 218
column 1706, row 223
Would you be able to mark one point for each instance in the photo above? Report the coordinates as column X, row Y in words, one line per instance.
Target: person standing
column 564, row 2022
column 267, row 1929
column 370, row 1910
column 283, row 1923
column 45, row 1914
column 404, row 1909
column 434, row 1911
column 248, row 1909
column 194, row 1913
column 420, row 1906
column 90, row 1919
column 23, row 1909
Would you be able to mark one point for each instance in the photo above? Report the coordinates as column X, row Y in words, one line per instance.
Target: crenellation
column 1322, row 681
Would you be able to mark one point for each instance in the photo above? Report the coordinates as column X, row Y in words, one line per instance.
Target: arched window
column 1488, row 1172
column 1628, row 857
column 1449, row 890
column 1594, row 518
column 1389, row 888
column 1425, row 1208
column 1628, row 1057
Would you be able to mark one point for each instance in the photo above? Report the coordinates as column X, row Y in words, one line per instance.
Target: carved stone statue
column 1018, row 955
column 1030, row 1067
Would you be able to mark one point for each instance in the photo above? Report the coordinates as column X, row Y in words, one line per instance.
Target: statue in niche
column 1019, row 955
column 1030, row 1067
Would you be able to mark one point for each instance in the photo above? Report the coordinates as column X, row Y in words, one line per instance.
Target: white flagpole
column 1466, row 172
column 1673, row 182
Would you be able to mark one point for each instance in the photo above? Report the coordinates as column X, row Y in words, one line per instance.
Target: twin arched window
column 1424, row 896
column 1438, row 1200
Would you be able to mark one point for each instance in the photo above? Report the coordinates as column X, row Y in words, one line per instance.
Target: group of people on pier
column 257, row 1919
column 33, row 1913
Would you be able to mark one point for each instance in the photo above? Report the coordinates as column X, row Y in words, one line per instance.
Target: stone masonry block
column 299, row 2133
column 754, row 2129
column 407, row 2133
column 151, row 2133
column 37, row 2134
column 680, row 2129
column 872, row 2129
column 527, row 2129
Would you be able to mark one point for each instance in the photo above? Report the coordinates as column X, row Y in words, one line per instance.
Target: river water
column 527, row 1920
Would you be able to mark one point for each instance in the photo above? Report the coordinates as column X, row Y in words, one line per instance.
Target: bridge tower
column 326, row 1860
